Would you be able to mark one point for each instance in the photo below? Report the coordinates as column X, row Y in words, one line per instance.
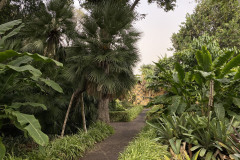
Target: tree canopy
column 219, row 19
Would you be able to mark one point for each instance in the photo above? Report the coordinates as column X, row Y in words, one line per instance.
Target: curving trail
column 112, row 146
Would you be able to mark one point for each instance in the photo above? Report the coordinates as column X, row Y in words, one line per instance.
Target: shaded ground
column 124, row 133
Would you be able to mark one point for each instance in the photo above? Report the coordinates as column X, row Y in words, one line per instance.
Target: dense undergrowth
column 68, row 147
column 144, row 147
column 126, row 115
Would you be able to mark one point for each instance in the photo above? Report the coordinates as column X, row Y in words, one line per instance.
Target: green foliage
column 144, row 147
column 178, row 152
column 205, row 134
column 204, row 59
column 189, row 91
column 73, row 146
column 28, row 123
column 125, row 116
column 115, row 76
column 16, row 9
column 219, row 19
column 155, row 112
column 233, row 146
column 16, row 71
column 44, row 34
column 117, row 106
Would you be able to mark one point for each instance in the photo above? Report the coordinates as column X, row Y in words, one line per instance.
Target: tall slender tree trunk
column 103, row 110
column 211, row 92
column 83, row 112
column 67, row 114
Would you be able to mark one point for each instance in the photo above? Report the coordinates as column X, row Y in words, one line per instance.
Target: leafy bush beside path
column 125, row 116
column 71, row 146
column 144, row 147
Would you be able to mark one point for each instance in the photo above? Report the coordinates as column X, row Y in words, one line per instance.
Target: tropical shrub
column 125, row 116
column 16, row 72
column 201, row 135
column 144, row 147
column 155, row 112
column 190, row 91
column 72, row 146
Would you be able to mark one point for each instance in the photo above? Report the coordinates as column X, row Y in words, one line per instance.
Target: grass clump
column 144, row 147
column 125, row 116
column 71, row 146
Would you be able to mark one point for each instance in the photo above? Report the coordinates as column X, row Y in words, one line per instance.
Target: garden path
column 110, row 148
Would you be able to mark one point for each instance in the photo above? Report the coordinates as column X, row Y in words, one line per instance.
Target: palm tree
column 50, row 29
column 103, row 57
column 165, row 4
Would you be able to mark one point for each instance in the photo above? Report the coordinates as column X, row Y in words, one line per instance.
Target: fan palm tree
column 50, row 29
column 103, row 57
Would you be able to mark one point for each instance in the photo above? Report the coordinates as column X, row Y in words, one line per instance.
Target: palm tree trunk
column 83, row 113
column 67, row 114
column 103, row 110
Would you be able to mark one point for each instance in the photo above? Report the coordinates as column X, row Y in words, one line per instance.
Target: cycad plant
column 103, row 57
column 51, row 28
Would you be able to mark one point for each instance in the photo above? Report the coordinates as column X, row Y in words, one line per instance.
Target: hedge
column 125, row 116
column 70, row 146
column 145, row 147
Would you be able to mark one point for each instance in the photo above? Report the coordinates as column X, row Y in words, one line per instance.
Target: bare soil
column 113, row 145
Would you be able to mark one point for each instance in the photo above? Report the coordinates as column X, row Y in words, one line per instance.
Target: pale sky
column 157, row 29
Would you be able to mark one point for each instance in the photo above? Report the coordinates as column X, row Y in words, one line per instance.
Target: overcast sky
column 157, row 28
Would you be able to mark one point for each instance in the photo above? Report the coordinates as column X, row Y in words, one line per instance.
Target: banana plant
column 213, row 78
column 179, row 86
column 16, row 70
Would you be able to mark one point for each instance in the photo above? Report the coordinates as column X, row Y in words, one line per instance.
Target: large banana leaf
column 35, row 72
column 204, row 59
column 9, row 25
column 20, row 60
column 198, row 78
column 176, row 100
column 222, row 59
column 160, row 67
column 31, row 125
column 11, row 53
column 237, row 75
column 231, row 64
column 180, row 72
column 236, row 101
column 12, row 33
column 219, row 110
column 18, row 105
column 52, row 84
column 205, row 74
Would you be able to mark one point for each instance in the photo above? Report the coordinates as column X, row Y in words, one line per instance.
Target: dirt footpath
column 124, row 133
